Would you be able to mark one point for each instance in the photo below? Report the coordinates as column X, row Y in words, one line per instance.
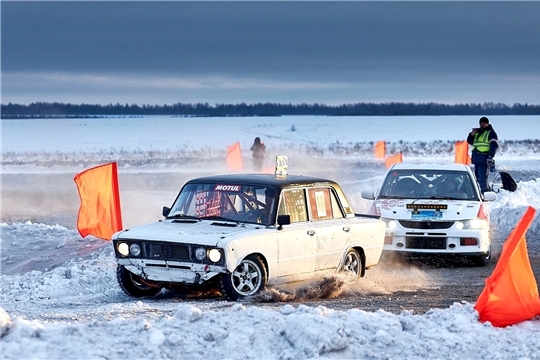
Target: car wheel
column 247, row 279
column 482, row 260
column 352, row 266
column 132, row 284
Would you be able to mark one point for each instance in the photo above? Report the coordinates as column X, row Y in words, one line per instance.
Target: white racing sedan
column 244, row 232
column 434, row 209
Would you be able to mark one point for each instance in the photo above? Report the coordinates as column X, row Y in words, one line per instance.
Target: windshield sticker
column 320, row 202
column 207, row 204
column 220, row 187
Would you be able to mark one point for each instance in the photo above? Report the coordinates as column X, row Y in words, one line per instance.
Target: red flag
column 234, row 157
column 99, row 214
column 394, row 159
column 462, row 153
column 380, row 150
column 511, row 293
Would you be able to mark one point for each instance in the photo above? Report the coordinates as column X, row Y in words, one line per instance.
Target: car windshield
column 240, row 203
column 428, row 184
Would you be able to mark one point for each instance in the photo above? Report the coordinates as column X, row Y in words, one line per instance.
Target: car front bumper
column 449, row 242
column 171, row 271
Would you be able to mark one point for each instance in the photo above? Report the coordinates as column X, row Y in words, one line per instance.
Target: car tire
column 247, row 279
column 483, row 260
column 132, row 284
column 352, row 265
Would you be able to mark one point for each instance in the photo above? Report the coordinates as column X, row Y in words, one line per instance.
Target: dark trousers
column 258, row 164
column 481, row 171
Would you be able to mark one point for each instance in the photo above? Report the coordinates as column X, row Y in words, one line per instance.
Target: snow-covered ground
column 59, row 296
column 170, row 142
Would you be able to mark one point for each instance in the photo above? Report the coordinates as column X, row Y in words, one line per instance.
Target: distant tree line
column 55, row 109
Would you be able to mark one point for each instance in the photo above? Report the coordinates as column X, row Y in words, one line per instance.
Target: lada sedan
column 245, row 232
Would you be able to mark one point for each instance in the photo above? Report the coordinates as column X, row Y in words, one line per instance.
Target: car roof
column 430, row 166
column 262, row 179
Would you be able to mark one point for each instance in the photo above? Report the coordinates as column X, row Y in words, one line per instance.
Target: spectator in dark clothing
column 484, row 142
column 259, row 153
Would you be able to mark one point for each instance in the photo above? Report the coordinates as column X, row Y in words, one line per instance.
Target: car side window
column 336, row 209
column 323, row 204
column 293, row 203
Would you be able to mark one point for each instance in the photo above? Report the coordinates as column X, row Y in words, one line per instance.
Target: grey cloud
column 357, row 44
column 270, row 37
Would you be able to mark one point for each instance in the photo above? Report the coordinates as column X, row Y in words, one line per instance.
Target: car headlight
column 123, row 248
column 390, row 223
column 200, row 253
column 473, row 224
column 135, row 249
column 214, row 255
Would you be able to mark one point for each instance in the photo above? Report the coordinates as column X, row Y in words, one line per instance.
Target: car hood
column 204, row 232
column 455, row 209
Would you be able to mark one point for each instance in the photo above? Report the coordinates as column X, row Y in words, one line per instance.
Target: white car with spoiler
column 434, row 209
column 242, row 232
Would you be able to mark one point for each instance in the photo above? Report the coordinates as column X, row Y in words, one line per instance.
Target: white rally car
column 242, row 232
column 434, row 209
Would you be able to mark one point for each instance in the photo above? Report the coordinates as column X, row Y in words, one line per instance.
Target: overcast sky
column 231, row 52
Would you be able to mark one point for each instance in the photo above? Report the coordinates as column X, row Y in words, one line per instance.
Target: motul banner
column 99, row 213
column 380, row 150
column 462, row 153
column 511, row 293
column 234, row 157
column 394, row 159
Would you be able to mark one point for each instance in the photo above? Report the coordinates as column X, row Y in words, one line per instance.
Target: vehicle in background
column 242, row 232
column 434, row 209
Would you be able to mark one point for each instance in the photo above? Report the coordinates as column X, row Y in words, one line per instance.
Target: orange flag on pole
column 394, row 159
column 234, row 157
column 462, row 153
column 511, row 293
column 380, row 150
column 99, row 213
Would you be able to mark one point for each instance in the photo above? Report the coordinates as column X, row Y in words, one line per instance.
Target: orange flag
column 394, row 159
column 99, row 213
column 380, row 150
column 462, row 153
column 511, row 293
column 234, row 157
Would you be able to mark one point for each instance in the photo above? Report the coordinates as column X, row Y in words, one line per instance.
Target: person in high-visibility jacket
column 484, row 141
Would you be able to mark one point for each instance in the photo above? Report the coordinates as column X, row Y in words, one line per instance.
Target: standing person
column 485, row 142
column 259, row 153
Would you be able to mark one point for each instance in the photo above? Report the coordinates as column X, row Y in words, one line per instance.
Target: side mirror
column 283, row 220
column 490, row 196
column 166, row 210
column 368, row 194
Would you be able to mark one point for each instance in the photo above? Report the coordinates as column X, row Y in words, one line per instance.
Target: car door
column 331, row 230
column 297, row 243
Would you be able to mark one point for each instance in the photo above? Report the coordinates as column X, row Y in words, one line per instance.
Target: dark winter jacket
column 480, row 157
column 259, row 150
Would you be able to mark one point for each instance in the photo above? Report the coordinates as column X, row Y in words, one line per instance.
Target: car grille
column 426, row 224
column 423, row 242
column 165, row 251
